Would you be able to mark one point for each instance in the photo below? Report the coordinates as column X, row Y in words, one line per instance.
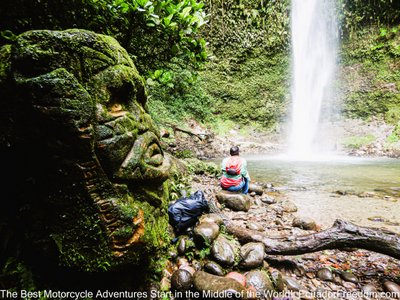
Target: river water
column 364, row 191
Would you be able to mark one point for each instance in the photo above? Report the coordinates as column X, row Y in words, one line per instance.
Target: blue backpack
column 185, row 211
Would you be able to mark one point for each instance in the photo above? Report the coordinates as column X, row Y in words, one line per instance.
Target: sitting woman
column 235, row 177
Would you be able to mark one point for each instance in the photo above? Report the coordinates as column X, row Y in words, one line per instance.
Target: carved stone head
column 85, row 170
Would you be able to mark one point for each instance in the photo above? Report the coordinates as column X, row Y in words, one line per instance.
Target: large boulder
column 223, row 251
column 85, row 173
column 252, row 255
column 234, row 201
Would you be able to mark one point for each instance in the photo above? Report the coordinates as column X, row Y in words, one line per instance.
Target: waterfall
column 314, row 47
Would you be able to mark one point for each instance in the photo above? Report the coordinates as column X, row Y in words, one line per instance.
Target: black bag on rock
column 185, row 211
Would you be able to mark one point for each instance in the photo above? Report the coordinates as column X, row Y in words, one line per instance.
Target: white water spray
column 314, row 44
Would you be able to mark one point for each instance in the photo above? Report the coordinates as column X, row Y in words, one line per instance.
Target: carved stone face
column 78, row 111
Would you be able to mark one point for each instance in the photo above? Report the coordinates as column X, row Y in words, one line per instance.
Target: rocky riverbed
column 206, row 262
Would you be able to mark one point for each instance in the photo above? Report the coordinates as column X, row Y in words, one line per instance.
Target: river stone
column 182, row 246
column 292, row 284
column 288, row 206
column 393, row 288
column 223, row 251
column 268, row 199
column 205, row 233
column 205, row 282
column 260, row 281
column 238, row 277
column 234, row 201
column 214, row 268
column 325, row 274
column 254, row 188
column 278, row 281
column 254, row 226
column 304, row 223
column 347, row 276
column 252, row 255
column 211, row 218
column 369, row 289
column 188, row 268
column 181, row 280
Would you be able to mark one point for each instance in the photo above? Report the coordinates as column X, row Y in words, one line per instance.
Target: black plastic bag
column 185, row 211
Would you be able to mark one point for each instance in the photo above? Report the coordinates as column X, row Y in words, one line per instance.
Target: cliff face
column 249, row 74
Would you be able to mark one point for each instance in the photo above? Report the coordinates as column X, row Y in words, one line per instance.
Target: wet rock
column 350, row 277
column 369, row 289
column 205, row 282
column 258, row 190
column 234, row 201
column 238, row 277
column 223, row 251
column 252, row 255
column 278, row 281
column 260, row 281
column 268, row 199
column 205, row 233
column 182, row 246
column 188, row 268
column 214, row 268
column 288, row 206
column 325, row 274
column 211, row 218
column 392, row 288
column 181, row 280
column 292, row 284
column 304, row 223
column 254, row 226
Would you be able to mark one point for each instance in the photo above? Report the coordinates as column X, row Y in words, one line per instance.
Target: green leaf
column 186, row 11
column 157, row 73
column 167, row 20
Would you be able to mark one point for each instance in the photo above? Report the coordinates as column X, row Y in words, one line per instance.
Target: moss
column 356, row 142
column 5, row 53
column 372, row 75
column 252, row 90
column 196, row 166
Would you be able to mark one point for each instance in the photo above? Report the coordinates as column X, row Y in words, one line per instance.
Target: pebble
column 325, row 274
column 292, row 284
column 350, row 277
column 254, row 226
column 182, row 246
column 369, row 289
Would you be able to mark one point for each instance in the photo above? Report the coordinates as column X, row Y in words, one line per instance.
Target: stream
column 365, row 191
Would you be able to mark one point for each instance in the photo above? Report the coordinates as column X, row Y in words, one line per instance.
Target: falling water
column 314, row 43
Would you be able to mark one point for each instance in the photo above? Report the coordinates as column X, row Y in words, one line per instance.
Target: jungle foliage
column 153, row 32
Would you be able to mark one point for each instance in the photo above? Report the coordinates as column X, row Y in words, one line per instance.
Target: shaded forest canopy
column 227, row 62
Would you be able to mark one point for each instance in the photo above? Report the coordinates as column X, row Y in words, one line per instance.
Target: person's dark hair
column 234, row 150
